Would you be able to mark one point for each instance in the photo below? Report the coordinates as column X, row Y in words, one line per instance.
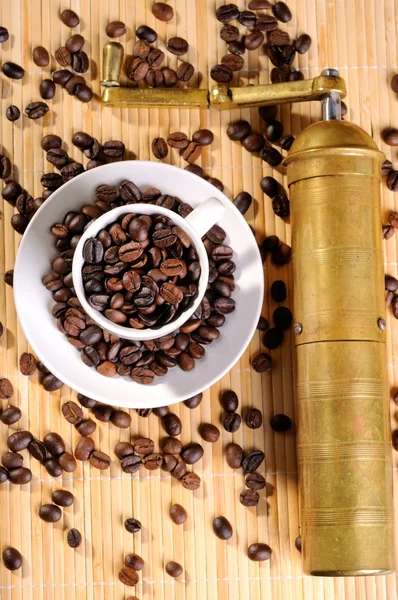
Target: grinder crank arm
column 220, row 96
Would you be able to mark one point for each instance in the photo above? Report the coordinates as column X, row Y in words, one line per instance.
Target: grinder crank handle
column 221, row 97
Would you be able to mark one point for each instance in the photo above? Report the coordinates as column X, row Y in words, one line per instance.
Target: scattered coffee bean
column 82, row 140
column 392, row 181
column 229, row 33
column 38, row 450
column 20, row 476
column 12, row 559
column 302, row 43
column 229, row 401
column 121, row 419
column 243, row 202
column 178, row 514
column 209, row 432
column 144, row 446
column 4, row 35
column 170, row 76
column 132, row 525
column 3, row 475
column 232, row 422
column 115, row 29
column 282, row 317
column 394, row 84
column 259, row 4
column 281, row 255
column 282, row 12
column 10, row 415
column 286, row 142
column 190, row 481
column 146, row 33
column 192, row 152
column 36, row 110
column 50, row 513
column 171, row 424
column 249, row 498
column 254, row 418
column 262, row 362
column 100, row 460
column 174, row 569
column 74, row 538
column 177, row 46
column 74, row 43
column 162, row 11
column 252, row 461
column 8, row 280
column 221, row 74
column 194, row 401
column 390, row 136
column 72, row 412
column 159, row 148
column 297, row 543
column 11, row 191
column 280, row 423
column 233, row 62
column 227, row 12
column 259, row 552
column 27, row 363
column 54, row 443
column 51, row 141
column 128, row 576
column 192, row 453
column 222, row 528
column 273, row 338
column 51, row 383
column 5, row 171
column 84, row 448
column 13, row 113
column 204, row 137
column 278, row 291
column 12, row 70
column 12, row 460
column 160, row 411
column 134, row 562
column 171, row 446
column 254, row 39
column 80, row 64
column 63, row 56
column 237, row 48
column 255, row 481
column 254, row 142
column 62, row 77
column 19, row 440
column 63, row 498
column 271, row 155
column 70, row 18
column 239, row 130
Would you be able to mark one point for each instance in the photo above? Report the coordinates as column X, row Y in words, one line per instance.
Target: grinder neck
column 331, row 103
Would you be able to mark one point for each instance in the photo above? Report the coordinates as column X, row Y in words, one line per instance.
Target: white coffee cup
column 196, row 224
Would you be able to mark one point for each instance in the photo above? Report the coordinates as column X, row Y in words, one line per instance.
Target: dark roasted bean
column 254, row 142
column 227, row 12
column 233, row 62
column 74, row 538
column 13, row 113
column 282, row 12
column 254, row 39
column 12, row 558
column 239, row 130
column 280, row 422
column 174, row 569
column 194, row 401
column 229, row 33
column 12, row 70
column 177, row 46
column 302, row 43
column 209, row 432
column 252, row 461
column 36, row 110
column 50, row 513
column 190, row 481
column 255, row 481
column 63, row 498
column 70, row 18
column 27, row 363
column 259, row 552
column 254, row 418
column 222, row 528
column 10, row 415
column 221, row 74
column 146, row 33
column 232, row 422
column 132, row 525
column 243, row 202
column 249, row 498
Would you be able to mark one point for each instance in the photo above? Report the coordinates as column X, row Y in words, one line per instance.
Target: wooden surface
column 359, row 38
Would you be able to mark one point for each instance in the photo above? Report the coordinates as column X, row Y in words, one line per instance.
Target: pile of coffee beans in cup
column 153, row 266
column 109, row 354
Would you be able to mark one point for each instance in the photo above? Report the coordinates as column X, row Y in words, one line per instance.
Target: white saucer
column 33, row 301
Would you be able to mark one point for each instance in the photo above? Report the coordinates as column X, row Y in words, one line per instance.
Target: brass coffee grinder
column 344, row 448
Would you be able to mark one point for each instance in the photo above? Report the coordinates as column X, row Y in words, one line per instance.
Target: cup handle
column 206, row 215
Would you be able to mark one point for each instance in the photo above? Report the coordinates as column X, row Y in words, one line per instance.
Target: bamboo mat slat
column 359, row 37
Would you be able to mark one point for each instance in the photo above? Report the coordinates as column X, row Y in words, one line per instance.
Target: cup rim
column 122, row 331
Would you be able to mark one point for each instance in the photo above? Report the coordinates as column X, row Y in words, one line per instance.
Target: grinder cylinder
column 344, row 446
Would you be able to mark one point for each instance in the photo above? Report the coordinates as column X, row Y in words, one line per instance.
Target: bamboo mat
column 359, row 37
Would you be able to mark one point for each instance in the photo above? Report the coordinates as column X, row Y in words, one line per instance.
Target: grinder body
column 344, row 447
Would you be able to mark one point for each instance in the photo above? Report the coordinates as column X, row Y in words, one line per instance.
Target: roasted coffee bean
column 3, row 475
column 255, row 481
column 254, row 142
column 50, row 513
column 297, row 543
column 204, row 137
column 12, row 70
column 171, row 446
column 121, row 419
column 113, row 148
column 280, row 422
column 259, row 552
column 128, row 576
column 57, row 157
column 19, row 223
column 161, row 411
column 72, row 84
column 67, row 462
column 232, row 422
column 62, row 76
column 159, row 148
column 178, row 514
column 169, row 463
column 115, row 29
column 194, row 401
column 155, row 58
column 392, row 180
column 254, row 39
column 174, row 569
column 273, row 338
column 282, row 317
column 210, row 433
column 281, row 206
column 271, row 155
column 192, row 152
column 51, row 141
column 12, row 460
column 13, row 113
column 153, row 461
column 100, row 460
column 170, row 77
column 302, row 43
column 239, row 130
column 54, row 443
column 286, row 142
column 254, row 418
column 134, row 561
column 4, row 35
column 75, row 43
column 222, row 528
column 273, row 130
column 86, row 402
column 162, row 11
column 390, row 283
column 177, row 46
column 27, row 363
column 171, row 424
column 132, row 525
column 53, row 467
column 282, row 254
column 70, row 18
column 388, row 231
column 229, row 33
column 131, row 463
column 227, row 12
column 192, row 453
column 229, row 401
column 390, row 137
column 12, row 559
column 259, row 4
column 262, row 362
column 237, row 48
column 233, row 62
column 84, row 448
column 144, row 446
column 80, row 62
column 70, row 171
column 20, row 476
column 277, row 37
column 221, row 74
column 268, row 113
column 38, row 450
column 154, row 78
column 386, row 167
column 282, row 12
column 249, row 498
column 103, row 412
column 247, row 18
column 11, row 191
column 123, row 449
column 82, row 140
column 243, row 202
column 270, row 186
column 394, row 84
column 252, row 461
column 63, row 498
column 146, row 33
column 19, row 440
column 36, row 110
column 51, row 383
column 5, row 167
column 129, row 192
column 190, row 481
column 10, row 415
column 74, row 538
column 63, row 56
column 72, row 412
column 8, row 280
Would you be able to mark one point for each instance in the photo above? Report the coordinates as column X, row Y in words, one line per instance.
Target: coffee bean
column 262, row 363
column 303, row 43
column 11, row 191
column 259, row 4
column 254, row 418
column 38, row 450
column 134, row 562
column 115, row 29
column 5, row 168
column 170, row 77
column 74, row 538
column 100, row 460
column 10, row 415
column 4, row 35
column 63, row 56
column 70, row 18
column 280, row 423
column 153, row 461
column 50, row 513
column 286, row 142
column 146, row 33
column 27, row 363
column 272, row 339
column 12, row 460
column 390, row 283
column 281, row 206
column 36, row 110
column 40, row 55
column 233, row 62
column 282, row 12
column 390, row 137
column 232, row 422
column 63, row 498
column 159, row 148
column 222, row 528
column 57, row 157
column 128, row 576
column 12, row 559
column 192, row 453
column 121, row 419
column 254, row 142
column 84, row 448
column 282, row 254
column 392, row 181
column 129, row 192
column 221, row 74
column 247, row 18
column 239, row 130
column 161, row 411
column 20, row 476
column 86, row 402
column 194, row 401
column 255, row 481
column 19, row 223
column 72, row 412
column 282, row 317
column 74, row 43
column 70, row 171
column 259, row 552
column 190, row 481
column 3, row 475
column 227, row 12
column 131, row 464
column 192, row 152
column 72, row 84
column 54, row 443
column 144, row 446
column 171, row 424
column 123, row 449
column 62, row 77
column 174, row 569
column 229, row 33
column 162, row 11
column 209, row 432
column 179, row 470
column 277, row 37
column 19, row 440
column 103, row 412
column 177, row 140
column 271, row 155
column 243, row 202
column 8, row 280
column 229, row 401
column 132, row 525
column 177, row 46
column 297, row 543
column 12, row 70
column 51, row 383
column 82, row 140
column 204, row 137
column 80, row 63
column 155, row 57
column 273, row 130
column 252, row 461
column 51, row 141
column 249, row 498
column 254, row 39
column 388, row 231
column 13, row 113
